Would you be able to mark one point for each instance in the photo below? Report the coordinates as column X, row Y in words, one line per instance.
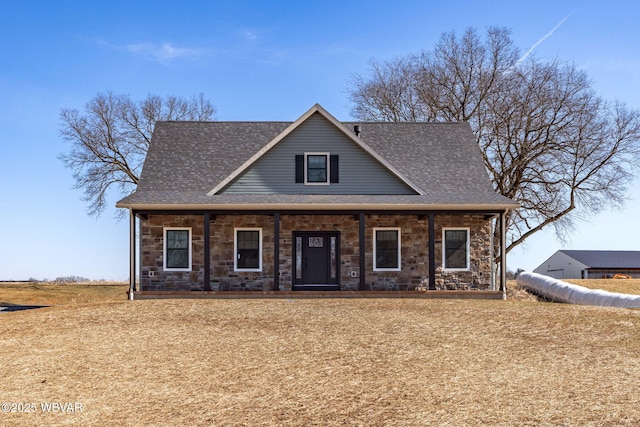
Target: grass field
column 52, row 293
column 623, row 286
column 317, row 362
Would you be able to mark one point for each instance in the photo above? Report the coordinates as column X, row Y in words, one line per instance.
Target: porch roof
column 193, row 200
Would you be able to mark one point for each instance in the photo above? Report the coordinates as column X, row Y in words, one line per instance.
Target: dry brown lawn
column 52, row 293
column 323, row 362
column 623, row 286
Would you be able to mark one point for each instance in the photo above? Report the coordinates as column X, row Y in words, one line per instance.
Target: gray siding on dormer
column 274, row 172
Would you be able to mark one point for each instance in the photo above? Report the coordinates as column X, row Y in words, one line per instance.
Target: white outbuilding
column 576, row 264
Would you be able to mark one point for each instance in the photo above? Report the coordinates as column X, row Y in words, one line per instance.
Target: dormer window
column 317, row 168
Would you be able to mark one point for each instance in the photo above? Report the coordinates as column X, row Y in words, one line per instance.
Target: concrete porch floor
column 488, row 295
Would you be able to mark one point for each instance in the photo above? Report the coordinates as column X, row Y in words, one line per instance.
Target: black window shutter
column 299, row 168
column 334, row 168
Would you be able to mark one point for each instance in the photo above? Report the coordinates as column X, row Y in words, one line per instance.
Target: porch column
column 362, row 283
column 207, row 251
column 432, row 252
column 503, row 255
column 132, row 253
column 276, row 251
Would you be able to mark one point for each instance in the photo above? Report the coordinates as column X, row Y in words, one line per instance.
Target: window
column 455, row 248
column 248, row 249
column 177, row 249
column 317, row 168
column 386, row 248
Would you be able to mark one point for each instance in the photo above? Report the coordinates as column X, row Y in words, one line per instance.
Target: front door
column 316, row 256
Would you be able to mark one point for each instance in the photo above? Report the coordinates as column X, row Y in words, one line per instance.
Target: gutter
column 318, row 207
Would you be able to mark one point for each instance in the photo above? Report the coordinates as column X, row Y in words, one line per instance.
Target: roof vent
column 356, row 130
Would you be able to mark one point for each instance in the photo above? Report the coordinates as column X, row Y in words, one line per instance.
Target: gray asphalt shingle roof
column 188, row 159
column 606, row 259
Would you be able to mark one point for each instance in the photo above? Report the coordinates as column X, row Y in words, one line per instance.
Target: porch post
column 276, row 251
column 132, row 253
column 432, row 252
column 207, row 251
column 362, row 274
column 503, row 255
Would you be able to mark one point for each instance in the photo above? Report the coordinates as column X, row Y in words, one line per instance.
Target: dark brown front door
column 316, row 258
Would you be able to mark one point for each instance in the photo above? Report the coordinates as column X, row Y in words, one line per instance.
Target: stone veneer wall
column 153, row 277
column 347, row 225
column 479, row 275
column 414, row 252
column 223, row 276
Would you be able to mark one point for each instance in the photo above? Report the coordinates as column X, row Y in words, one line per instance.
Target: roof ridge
column 405, row 123
column 224, row 121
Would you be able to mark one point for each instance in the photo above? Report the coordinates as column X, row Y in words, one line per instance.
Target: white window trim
column 235, row 249
column 328, row 156
column 375, row 230
column 468, row 249
column 164, row 249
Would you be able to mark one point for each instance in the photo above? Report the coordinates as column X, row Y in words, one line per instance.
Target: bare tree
column 549, row 142
column 110, row 139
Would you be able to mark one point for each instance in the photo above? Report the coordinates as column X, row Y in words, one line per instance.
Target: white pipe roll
column 557, row 290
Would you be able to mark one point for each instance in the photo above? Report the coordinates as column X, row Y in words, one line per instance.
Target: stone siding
column 223, row 276
column 153, row 277
column 347, row 225
column 479, row 275
column 414, row 252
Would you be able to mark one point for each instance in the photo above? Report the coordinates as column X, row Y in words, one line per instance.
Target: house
column 315, row 204
column 575, row 264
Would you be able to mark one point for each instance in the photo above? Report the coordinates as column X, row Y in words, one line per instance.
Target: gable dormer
column 316, row 155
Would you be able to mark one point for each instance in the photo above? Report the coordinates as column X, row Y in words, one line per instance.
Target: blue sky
column 255, row 60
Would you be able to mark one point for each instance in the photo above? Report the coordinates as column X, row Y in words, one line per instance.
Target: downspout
column 132, row 254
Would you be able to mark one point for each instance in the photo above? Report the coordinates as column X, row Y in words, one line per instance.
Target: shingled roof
column 605, row 259
column 186, row 160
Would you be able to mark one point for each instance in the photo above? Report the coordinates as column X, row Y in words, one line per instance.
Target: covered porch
column 351, row 271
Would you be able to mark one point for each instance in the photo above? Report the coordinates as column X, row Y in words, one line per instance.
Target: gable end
column 316, row 157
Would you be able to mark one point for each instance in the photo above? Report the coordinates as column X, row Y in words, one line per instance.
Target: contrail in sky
column 546, row 36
